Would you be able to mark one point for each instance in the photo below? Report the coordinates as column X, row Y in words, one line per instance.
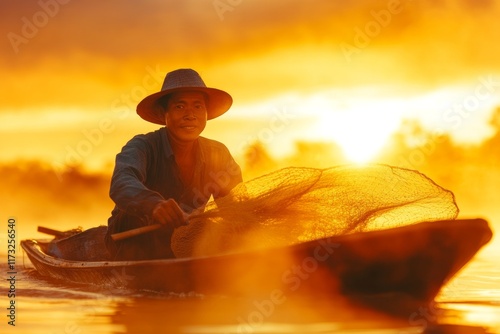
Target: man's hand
column 169, row 213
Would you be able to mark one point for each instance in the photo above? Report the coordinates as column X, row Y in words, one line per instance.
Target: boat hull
column 414, row 260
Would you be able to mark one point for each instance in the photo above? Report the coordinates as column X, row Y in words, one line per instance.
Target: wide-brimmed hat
column 218, row 101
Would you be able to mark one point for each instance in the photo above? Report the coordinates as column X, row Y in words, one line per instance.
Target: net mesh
column 293, row 205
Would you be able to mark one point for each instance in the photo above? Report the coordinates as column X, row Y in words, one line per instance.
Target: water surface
column 467, row 304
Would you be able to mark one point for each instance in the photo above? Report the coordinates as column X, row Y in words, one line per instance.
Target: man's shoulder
column 148, row 137
column 214, row 145
column 146, row 142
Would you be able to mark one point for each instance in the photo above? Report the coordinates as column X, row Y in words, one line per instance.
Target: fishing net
column 293, row 205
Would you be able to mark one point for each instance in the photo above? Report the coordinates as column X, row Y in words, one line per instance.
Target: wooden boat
column 414, row 261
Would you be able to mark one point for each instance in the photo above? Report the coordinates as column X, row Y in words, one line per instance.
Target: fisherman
column 165, row 175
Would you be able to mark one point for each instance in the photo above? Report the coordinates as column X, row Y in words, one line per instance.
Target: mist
column 36, row 194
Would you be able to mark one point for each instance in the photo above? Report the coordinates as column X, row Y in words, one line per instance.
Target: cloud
column 89, row 53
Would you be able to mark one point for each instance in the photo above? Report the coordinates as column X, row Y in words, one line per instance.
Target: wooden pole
column 146, row 229
column 134, row 232
column 50, row 231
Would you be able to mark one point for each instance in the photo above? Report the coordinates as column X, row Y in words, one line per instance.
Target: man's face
column 186, row 115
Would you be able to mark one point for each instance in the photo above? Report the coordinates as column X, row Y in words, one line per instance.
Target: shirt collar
column 168, row 148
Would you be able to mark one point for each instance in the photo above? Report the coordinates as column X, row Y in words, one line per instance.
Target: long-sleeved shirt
column 146, row 173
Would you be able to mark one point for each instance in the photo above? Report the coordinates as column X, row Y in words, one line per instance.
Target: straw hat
column 218, row 101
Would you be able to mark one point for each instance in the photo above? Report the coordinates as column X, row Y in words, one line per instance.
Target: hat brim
column 218, row 102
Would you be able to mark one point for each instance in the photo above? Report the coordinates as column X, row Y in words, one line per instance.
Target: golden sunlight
column 360, row 128
column 473, row 314
column 360, row 142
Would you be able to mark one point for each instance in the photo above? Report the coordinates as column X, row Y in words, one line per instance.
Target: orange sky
column 342, row 69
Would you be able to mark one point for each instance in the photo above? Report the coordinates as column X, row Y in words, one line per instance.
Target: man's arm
column 129, row 192
column 227, row 173
column 128, row 189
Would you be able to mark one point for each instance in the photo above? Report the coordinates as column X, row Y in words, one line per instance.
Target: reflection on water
column 58, row 316
column 468, row 304
column 55, row 307
column 473, row 314
column 248, row 316
column 168, row 314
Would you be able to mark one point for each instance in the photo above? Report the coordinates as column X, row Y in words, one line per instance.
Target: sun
column 363, row 136
column 361, row 131
column 360, row 127
column 360, row 150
